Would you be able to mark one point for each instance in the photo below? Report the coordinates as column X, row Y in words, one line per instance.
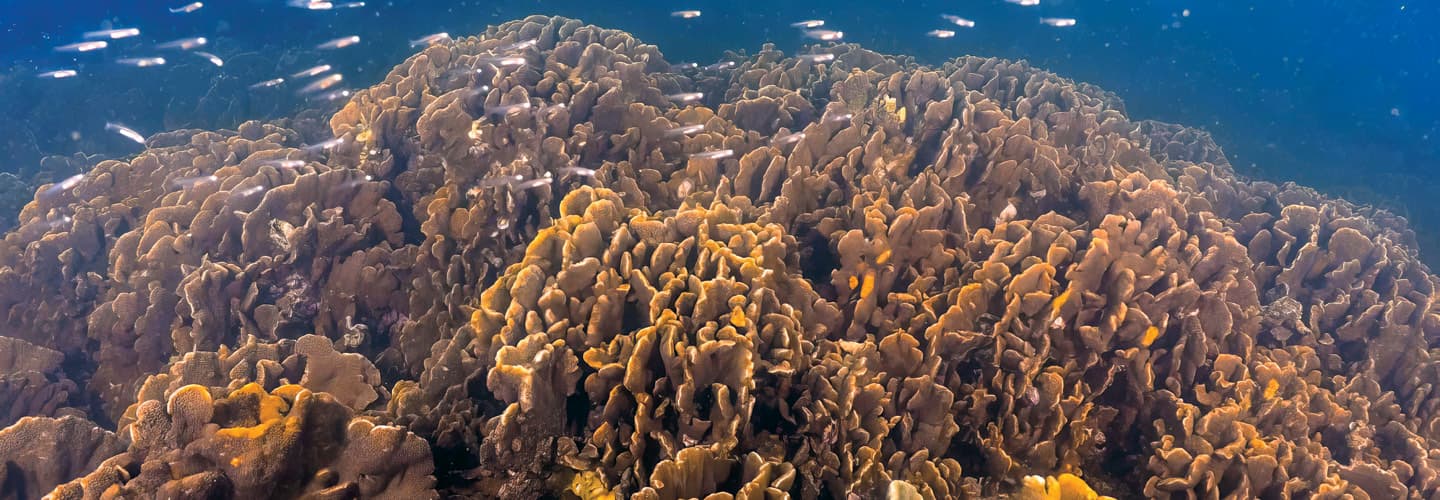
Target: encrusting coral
column 831, row 277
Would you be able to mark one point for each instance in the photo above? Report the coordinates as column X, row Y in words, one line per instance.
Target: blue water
column 1338, row 95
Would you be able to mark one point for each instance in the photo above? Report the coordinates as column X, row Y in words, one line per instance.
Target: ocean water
column 1335, row 95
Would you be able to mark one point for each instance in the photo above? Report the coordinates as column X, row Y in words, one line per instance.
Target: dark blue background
column 1294, row 90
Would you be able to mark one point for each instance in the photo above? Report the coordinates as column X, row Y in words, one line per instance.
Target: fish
column 333, row 95
column 184, row 43
column 268, row 83
column 187, row 8
column 1006, row 214
column 808, row 24
column 309, row 72
column 787, row 139
column 248, row 191
column 512, row 47
column 322, row 84
column 349, row 5
column 685, row 14
column 190, row 182
column 58, row 74
column 534, row 183
column 1024, row 3
column 64, row 185
column 842, row 117
column 940, row 34
column 141, row 62
column 214, row 59
column 686, row 96
column 310, row 4
column 504, row 180
column 684, row 130
column 719, row 66
column 684, row 66
column 713, row 155
column 83, row 46
column 127, row 132
column 817, row 58
column 285, row 163
column 429, row 39
column 1058, row 22
column 114, row 34
column 325, row 145
column 501, row 62
column 825, row 35
column 339, row 43
column 958, row 21
column 577, row 171
column 506, row 109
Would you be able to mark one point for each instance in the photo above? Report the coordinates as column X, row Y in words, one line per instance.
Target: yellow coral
column 1272, row 388
column 589, row 486
column 1065, row 487
column 1151, row 334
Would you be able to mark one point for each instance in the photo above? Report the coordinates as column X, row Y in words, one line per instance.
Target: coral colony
column 849, row 276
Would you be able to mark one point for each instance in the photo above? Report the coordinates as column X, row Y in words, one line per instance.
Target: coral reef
column 841, row 277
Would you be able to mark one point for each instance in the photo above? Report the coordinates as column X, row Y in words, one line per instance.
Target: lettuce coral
column 857, row 277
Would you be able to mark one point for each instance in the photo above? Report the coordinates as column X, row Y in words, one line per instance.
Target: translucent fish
column 534, row 183
column 504, row 61
column 309, row 72
column 325, row 145
column 684, row 130
column 842, row 117
column 349, row 5
column 285, row 163
column 507, row 109
column 817, row 58
column 685, row 14
column 322, row 84
column 429, row 39
column 1007, row 214
column 214, row 59
column 127, row 132
column 184, row 43
column 190, row 182
column 58, row 74
column 1058, row 22
column 512, row 47
column 958, row 21
column 808, row 24
column 684, row 97
column 141, row 62
column 719, row 66
column 82, row 46
column 1024, row 3
column 187, row 8
column 825, row 35
column 504, row 180
column 787, row 139
column 114, row 34
column 339, row 43
column 713, row 155
column 333, row 95
column 940, row 33
column 683, row 66
column 268, row 83
column 64, row 185
column 250, row 191
column 310, row 4
column 577, row 171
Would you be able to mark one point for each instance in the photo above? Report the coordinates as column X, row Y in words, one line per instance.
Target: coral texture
column 847, row 277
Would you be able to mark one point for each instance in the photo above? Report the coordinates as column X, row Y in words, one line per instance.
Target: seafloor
column 972, row 280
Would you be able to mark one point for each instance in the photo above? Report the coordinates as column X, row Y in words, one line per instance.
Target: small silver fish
column 958, row 21
column 268, row 83
column 534, row 183
column 114, row 34
column 684, row 97
column 1024, row 3
column 339, row 43
column 64, row 185
column 141, row 62
column 187, row 8
column 808, row 24
column 719, row 66
column 190, row 182
column 127, row 132
column 684, row 130
column 512, row 47
column 504, row 180
column 683, row 66
column 184, row 43
column 429, row 39
column 325, row 145
column 842, row 117
column 825, row 35
column 58, row 74
column 713, row 155
column 577, row 171
column 502, row 62
column 285, row 163
column 1006, row 214
column 253, row 190
column 507, row 109
column 685, row 14
column 322, row 84
column 817, row 58
column 940, row 34
column 349, row 5
column 1058, row 22
column 333, row 95
column 309, row 72
column 83, row 46
column 310, row 4
column 214, row 59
